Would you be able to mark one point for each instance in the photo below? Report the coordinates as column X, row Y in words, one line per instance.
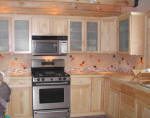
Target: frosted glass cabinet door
column 92, row 36
column 124, row 35
column 21, row 35
column 75, row 36
column 4, row 35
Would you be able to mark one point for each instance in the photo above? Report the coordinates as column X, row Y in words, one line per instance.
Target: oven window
column 46, row 47
column 53, row 95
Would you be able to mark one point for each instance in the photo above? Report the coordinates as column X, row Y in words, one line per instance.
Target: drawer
column 80, row 81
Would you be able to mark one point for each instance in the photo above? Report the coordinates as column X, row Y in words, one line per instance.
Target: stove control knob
column 59, row 78
column 51, row 79
column 38, row 79
column 42, row 79
column 64, row 78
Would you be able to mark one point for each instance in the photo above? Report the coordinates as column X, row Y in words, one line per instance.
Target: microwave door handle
column 43, row 112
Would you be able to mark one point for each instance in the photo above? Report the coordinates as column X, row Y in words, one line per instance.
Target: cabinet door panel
column 96, row 94
column 124, row 35
column 75, row 36
column 40, row 26
column 21, row 35
column 59, row 26
column 80, row 95
column 109, row 36
column 4, row 35
column 92, row 36
column 20, row 103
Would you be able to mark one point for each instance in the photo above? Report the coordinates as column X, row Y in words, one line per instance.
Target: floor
column 101, row 116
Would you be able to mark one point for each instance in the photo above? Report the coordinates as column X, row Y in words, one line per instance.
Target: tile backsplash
column 76, row 62
column 103, row 62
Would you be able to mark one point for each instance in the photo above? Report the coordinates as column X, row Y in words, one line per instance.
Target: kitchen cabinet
column 20, row 105
column 21, row 35
column 86, row 96
column 59, row 26
column 96, row 94
column 92, row 36
column 143, row 109
column 40, row 25
column 75, row 36
column 5, row 34
column 111, row 98
column 127, row 102
column 80, row 95
column 132, row 33
column 147, row 42
column 109, row 35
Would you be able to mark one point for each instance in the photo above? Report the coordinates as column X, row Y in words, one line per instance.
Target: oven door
column 61, row 113
column 51, row 97
column 45, row 47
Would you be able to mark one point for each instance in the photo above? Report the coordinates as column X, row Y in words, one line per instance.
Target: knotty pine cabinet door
column 109, row 35
column 147, row 43
column 97, row 94
column 92, row 40
column 127, row 102
column 80, row 96
column 76, row 36
column 21, row 34
column 20, row 105
column 40, row 25
column 143, row 109
column 58, row 26
column 5, row 34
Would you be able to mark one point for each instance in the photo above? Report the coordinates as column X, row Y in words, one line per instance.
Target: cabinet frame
column 13, row 33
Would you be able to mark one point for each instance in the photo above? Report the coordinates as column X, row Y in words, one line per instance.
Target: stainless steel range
column 51, row 89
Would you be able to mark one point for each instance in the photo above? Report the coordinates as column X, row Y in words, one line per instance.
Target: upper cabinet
column 75, row 36
column 147, row 42
column 59, row 26
column 46, row 25
column 21, row 35
column 108, row 34
column 92, row 36
column 5, row 34
column 132, row 33
column 40, row 25
column 83, row 36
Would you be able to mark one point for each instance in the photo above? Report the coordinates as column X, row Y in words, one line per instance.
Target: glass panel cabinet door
column 75, row 36
column 124, row 35
column 92, row 36
column 21, row 35
column 4, row 35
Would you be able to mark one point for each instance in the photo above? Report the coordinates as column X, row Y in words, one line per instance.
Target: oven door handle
column 54, row 83
column 47, row 112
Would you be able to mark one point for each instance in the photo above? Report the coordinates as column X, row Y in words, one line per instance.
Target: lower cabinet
column 80, row 95
column 143, row 109
column 127, row 102
column 111, row 99
column 20, row 105
column 86, row 96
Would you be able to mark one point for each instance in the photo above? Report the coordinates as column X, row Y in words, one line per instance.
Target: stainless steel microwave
column 49, row 45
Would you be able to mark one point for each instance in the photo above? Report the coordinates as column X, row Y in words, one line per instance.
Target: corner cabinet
column 5, row 34
column 132, row 33
column 21, row 35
